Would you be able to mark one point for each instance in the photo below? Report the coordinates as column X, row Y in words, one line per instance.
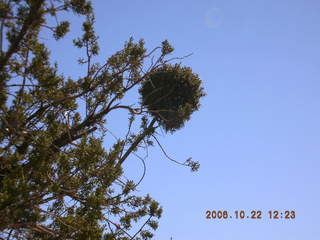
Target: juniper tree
column 57, row 179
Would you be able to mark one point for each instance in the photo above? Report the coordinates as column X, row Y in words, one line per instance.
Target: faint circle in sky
column 213, row 18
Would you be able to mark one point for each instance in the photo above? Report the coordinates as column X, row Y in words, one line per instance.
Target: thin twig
column 165, row 153
column 141, row 228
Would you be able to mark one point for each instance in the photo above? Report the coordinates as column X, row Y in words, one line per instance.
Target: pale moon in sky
column 213, row 18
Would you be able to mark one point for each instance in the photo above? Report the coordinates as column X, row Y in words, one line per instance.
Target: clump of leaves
column 171, row 94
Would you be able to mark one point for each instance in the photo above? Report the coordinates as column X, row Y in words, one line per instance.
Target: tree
column 57, row 180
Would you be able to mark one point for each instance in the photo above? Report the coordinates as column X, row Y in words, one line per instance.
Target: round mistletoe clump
column 172, row 94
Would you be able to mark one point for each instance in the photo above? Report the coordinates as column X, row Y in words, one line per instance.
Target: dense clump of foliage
column 57, row 178
column 172, row 94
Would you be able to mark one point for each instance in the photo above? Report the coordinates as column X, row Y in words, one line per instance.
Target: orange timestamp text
column 253, row 214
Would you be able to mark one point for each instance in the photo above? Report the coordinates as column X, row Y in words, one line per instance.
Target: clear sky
column 257, row 134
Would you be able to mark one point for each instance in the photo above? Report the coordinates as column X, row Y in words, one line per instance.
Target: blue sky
column 257, row 133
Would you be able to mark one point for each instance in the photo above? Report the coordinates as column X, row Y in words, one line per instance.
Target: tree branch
column 28, row 23
column 136, row 142
column 141, row 228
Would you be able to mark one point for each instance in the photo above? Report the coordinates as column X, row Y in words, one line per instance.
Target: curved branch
column 165, row 153
column 144, row 169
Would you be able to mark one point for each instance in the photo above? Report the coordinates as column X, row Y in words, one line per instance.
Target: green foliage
column 61, row 30
column 172, row 94
column 58, row 180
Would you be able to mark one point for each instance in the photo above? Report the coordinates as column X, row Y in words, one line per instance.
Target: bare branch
column 164, row 152
column 140, row 228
